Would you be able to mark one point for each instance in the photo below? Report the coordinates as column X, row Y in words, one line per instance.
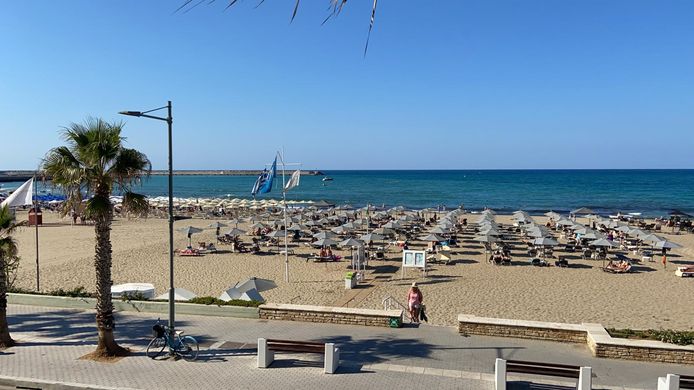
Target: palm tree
column 8, row 253
column 93, row 164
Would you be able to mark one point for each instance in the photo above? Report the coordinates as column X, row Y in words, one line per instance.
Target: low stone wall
column 600, row 343
column 136, row 306
column 331, row 315
column 468, row 324
column 603, row 345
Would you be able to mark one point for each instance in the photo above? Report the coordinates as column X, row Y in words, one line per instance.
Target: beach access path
column 52, row 341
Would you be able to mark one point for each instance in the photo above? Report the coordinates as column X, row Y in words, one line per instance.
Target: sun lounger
column 189, row 252
column 685, row 272
column 617, row 270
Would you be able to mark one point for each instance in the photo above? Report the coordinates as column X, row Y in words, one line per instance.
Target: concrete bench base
column 331, row 359
column 585, row 380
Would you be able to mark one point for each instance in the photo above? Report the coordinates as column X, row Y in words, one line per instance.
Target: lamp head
column 131, row 113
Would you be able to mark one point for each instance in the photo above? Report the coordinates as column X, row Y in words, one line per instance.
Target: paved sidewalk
column 52, row 340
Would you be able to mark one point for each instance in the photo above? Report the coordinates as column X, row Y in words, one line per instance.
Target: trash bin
column 350, row 280
column 35, row 217
column 395, row 322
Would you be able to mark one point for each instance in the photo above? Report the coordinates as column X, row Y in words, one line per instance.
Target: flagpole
column 284, row 200
column 36, row 222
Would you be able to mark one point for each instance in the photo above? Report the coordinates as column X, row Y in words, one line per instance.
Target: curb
column 39, row 384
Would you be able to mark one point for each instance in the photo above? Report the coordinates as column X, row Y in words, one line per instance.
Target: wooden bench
column 675, row 382
column 502, row 367
column 268, row 347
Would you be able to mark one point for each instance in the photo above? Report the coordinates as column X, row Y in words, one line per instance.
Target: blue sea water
column 652, row 192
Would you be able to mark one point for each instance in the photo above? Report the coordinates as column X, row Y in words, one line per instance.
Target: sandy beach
column 648, row 298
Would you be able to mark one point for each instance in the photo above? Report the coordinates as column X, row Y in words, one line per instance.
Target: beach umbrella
column 324, row 242
column 371, row 237
column 217, row 225
column 339, row 230
column 180, row 294
column 603, row 243
column 392, row 225
column 446, row 224
column 256, row 283
column 623, row 229
column 297, row 228
column 582, row 211
column 189, row 231
column 234, row 293
column 565, row 222
column 439, row 230
column 553, row 215
column 544, row 241
column 350, row 242
column 258, row 225
column 490, row 232
column 486, row 239
column 431, row 237
column 592, row 235
column 235, row 232
column 325, row 234
column 276, row 234
column 384, row 231
column 349, row 226
column 666, row 245
column 652, row 239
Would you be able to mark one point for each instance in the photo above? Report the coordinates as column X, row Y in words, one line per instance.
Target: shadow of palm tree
column 73, row 327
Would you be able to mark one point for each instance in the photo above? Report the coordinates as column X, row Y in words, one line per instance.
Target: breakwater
column 13, row 176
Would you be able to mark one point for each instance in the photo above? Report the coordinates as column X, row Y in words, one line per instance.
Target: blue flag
column 263, row 184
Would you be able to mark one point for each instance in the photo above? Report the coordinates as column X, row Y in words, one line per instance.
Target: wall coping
column 595, row 333
column 520, row 323
column 333, row 310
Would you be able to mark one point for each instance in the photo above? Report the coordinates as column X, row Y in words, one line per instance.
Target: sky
column 446, row 84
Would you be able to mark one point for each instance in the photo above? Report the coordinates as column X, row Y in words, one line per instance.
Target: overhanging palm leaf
column 335, row 7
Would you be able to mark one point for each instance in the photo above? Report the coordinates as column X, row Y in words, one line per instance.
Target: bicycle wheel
column 156, row 347
column 189, row 348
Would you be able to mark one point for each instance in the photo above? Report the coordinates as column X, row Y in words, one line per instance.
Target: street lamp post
column 169, row 121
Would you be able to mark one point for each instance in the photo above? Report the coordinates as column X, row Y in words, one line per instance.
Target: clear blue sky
column 446, row 83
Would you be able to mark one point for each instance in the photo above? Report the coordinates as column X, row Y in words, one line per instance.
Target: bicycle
column 183, row 346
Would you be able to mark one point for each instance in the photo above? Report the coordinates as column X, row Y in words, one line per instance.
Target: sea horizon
column 652, row 192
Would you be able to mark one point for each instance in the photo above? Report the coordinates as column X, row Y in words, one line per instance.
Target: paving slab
column 52, row 340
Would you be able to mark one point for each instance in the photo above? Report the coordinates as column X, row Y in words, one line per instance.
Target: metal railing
column 390, row 303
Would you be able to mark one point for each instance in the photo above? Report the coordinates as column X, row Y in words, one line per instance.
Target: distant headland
column 8, row 176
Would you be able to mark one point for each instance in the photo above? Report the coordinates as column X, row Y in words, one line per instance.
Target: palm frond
column 334, row 8
column 135, row 203
column 296, row 8
column 97, row 207
column 371, row 25
column 129, row 167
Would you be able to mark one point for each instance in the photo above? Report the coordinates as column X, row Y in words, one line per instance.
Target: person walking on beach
column 414, row 302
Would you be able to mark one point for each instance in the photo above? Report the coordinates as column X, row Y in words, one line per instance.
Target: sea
column 650, row 192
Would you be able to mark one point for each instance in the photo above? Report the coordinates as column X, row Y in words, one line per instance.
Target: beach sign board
column 413, row 259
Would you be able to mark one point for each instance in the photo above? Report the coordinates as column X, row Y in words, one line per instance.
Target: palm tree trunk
column 5, row 338
column 105, row 322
